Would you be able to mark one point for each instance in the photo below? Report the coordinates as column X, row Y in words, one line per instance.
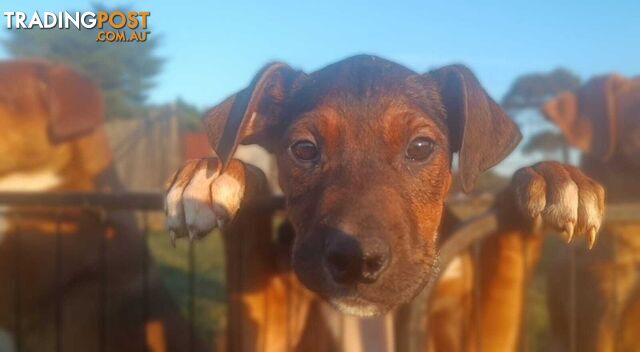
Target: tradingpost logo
column 112, row 26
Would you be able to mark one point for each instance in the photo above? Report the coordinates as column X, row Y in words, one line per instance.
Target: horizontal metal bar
column 141, row 201
column 111, row 201
column 155, row 201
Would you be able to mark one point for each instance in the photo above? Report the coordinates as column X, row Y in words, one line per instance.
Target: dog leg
column 548, row 194
column 503, row 268
column 268, row 308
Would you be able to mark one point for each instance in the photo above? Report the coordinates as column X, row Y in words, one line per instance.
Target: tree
column 545, row 142
column 530, row 92
column 190, row 116
column 125, row 71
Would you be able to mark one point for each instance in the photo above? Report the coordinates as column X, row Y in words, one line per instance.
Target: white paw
column 200, row 198
column 560, row 196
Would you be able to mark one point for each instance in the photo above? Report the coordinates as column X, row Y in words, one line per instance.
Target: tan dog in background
column 52, row 139
column 602, row 119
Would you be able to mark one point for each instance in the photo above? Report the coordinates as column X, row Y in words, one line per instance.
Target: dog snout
column 350, row 260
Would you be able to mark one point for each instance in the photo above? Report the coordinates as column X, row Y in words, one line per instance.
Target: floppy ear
column 93, row 151
column 75, row 103
column 587, row 118
column 247, row 116
column 480, row 131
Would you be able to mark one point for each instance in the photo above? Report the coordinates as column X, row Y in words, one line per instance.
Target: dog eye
column 304, row 151
column 419, row 149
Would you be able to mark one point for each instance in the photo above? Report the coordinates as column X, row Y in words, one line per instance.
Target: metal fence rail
column 105, row 201
column 21, row 207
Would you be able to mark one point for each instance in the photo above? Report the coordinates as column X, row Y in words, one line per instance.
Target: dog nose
column 351, row 260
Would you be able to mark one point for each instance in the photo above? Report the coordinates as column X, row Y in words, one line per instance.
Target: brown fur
column 51, row 118
column 361, row 196
column 362, row 112
column 489, row 310
column 602, row 118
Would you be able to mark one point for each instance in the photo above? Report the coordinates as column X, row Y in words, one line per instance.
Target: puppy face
column 364, row 150
column 365, row 171
column 49, row 114
column 25, row 144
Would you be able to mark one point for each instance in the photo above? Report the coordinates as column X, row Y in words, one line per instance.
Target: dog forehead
column 365, row 85
column 361, row 75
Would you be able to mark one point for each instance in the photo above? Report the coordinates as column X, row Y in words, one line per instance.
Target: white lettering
column 8, row 15
column 50, row 20
column 68, row 18
column 89, row 22
column 20, row 17
column 35, row 20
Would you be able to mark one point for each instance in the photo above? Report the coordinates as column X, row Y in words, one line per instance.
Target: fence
column 24, row 210
column 54, row 208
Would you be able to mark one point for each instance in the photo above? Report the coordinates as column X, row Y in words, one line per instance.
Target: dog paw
column 200, row 197
column 560, row 196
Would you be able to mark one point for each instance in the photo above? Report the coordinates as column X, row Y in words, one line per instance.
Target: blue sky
column 213, row 48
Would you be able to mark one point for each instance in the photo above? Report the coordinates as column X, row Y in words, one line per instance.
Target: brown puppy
column 53, row 140
column 602, row 119
column 364, row 150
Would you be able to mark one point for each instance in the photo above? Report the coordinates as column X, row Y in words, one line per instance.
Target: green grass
column 209, row 289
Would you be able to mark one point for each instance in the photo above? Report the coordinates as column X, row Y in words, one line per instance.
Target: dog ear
column 93, row 151
column 480, row 131
column 587, row 117
column 247, row 116
column 75, row 103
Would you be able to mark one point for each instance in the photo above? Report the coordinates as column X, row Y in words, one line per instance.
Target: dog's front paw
column 201, row 197
column 560, row 196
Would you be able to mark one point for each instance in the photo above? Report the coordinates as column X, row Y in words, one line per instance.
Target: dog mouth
column 367, row 300
column 398, row 281
column 358, row 307
column 351, row 300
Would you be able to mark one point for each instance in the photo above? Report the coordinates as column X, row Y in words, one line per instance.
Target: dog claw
column 568, row 231
column 567, row 236
column 591, row 237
